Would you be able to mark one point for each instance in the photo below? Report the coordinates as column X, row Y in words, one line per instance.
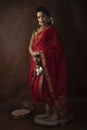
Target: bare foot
column 54, row 116
column 46, row 114
column 43, row 116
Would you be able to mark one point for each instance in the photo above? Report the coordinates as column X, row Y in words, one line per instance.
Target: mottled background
column 16, row 24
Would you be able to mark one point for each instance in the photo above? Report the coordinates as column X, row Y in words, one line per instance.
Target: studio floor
column 76, row 106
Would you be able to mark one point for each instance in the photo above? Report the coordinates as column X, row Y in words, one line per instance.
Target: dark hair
column 44, row 10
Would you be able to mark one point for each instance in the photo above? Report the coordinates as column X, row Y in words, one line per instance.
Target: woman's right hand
column 36, row 57
column 35, row 53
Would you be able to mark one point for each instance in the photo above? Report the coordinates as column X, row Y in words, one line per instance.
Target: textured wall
column 16, row 24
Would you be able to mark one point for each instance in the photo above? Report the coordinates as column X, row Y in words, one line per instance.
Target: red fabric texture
column 49, row 42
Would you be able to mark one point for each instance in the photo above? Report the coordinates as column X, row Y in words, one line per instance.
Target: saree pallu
column 51, row 85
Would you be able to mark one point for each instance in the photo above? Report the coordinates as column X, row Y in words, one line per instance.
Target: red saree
column 50, row 86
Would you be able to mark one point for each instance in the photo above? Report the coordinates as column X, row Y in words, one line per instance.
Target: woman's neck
column 44, row 27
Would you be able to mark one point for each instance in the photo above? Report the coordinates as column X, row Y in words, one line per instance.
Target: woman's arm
column 31, row 50
column 31, row 45
column 32, row 53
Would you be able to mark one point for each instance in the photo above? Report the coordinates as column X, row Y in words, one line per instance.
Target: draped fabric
column 51, row 85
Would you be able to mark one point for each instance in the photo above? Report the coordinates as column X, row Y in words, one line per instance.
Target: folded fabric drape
column 50, row 85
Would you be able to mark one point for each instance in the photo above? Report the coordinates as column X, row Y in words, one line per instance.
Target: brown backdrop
column 16, row 24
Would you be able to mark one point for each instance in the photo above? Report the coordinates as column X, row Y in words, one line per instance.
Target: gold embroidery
column 60, row 104
column 47, row 74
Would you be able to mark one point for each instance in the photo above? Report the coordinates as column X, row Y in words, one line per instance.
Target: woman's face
column 42, row 19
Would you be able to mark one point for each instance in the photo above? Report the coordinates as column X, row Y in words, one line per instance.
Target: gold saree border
column 47, row 74
column 40, row 85
column 61, row 102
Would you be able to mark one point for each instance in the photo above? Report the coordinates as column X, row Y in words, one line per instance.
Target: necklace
column 41, row 29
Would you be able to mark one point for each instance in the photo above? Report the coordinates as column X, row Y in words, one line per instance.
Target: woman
column 48, row 69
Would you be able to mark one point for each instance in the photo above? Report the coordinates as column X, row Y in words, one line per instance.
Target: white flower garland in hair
column 51, row 19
